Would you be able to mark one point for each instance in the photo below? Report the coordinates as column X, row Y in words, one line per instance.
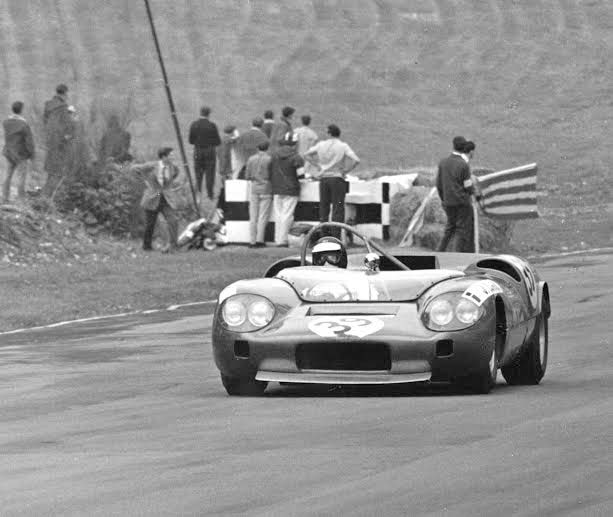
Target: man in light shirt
column 333, row 159
column 307, row 138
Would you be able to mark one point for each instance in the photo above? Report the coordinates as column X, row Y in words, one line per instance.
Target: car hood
column 330, row 284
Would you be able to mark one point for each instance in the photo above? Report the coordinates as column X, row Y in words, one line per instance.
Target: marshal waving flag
column 510, row 194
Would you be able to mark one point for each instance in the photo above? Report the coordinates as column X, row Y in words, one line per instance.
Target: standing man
column 285, row 186
column 307, row 138
column 18, row 149
column 59, row 130
column 249, row 141
column 260, row 200
column 269, row 122
column 162, row 194
column 281, row 127
column 455, row 186
column 334, row 159
column 204, row 136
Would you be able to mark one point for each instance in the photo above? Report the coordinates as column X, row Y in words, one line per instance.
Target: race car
column 384, row 317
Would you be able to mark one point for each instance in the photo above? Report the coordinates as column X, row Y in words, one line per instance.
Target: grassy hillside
column 528, row 81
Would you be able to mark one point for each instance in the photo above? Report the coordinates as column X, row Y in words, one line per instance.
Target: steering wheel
column 369, row 245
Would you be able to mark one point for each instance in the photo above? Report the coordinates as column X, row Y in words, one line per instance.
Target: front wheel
column 237, row 386
column 483, row 381
column 529, row 366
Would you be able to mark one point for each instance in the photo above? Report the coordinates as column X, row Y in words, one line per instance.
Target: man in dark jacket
column 454, row 185
column 285, row 162
column 18, row 149
column 59, row 130
column 269, row 122
column 281, row 127
column 204, row 136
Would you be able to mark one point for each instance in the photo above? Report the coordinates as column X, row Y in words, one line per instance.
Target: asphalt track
column 127, row 417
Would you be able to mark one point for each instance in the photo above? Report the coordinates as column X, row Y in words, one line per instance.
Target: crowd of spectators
column 271, row 154
column 274, row 156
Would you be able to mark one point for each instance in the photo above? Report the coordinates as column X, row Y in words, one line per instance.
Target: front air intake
column 352, row 355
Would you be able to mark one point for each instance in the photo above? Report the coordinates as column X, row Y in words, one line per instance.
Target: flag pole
column 171, row 104
column 475, row 225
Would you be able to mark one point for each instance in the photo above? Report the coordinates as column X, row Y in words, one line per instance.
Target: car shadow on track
column 398, row 390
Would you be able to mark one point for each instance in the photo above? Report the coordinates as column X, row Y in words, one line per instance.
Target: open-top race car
column 383, row 318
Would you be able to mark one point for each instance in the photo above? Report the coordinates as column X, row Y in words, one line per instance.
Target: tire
column 530, row 365
column 483, row 381
column 237, row 386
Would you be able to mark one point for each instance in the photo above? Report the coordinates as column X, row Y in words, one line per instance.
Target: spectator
column 224, row 160
column 285, row 185
column 269, row 122
column 258, row 170
column 78, row 155
column 333, row 159
column 249, row 142
column 455, row 186
column 307, row 138
column 59, row 132
column 162, row 194
column 204, row 136
column 18, row 149
column 115, row 143
column 281, row 127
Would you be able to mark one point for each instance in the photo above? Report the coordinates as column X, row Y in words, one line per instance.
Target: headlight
column 450, row 311
column 260, row 312
column 247, row 312
column 234, row 312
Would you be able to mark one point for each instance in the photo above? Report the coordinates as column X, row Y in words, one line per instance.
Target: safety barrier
column 367, row 207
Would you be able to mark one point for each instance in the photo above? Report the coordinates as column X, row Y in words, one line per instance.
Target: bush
column 107, row 200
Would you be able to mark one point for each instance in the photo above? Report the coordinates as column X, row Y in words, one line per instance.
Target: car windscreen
column 330, row 284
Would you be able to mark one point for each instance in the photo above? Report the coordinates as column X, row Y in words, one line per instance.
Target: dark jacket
column 267, row 127
column 284, row 177
column 203, row 134
column 453, row 171
column 59, row 129
column 18, row 141
column 281, row 127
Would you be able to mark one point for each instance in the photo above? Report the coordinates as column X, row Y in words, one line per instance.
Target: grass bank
column 47, row 293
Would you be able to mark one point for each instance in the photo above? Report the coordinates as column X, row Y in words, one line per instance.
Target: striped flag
column 510, row 194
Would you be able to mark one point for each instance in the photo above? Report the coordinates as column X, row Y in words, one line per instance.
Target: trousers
column 259, row 214
column 22, row 167
column 458, row 229
column 284, row 216
column 205, row 160
column 151, row 218
column 332, row 191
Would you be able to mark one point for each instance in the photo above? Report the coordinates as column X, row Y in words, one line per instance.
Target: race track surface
column 128, row 417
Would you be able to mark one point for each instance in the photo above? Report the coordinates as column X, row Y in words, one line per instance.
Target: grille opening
column 241, row 348
column 444, row 347
column 343, row 356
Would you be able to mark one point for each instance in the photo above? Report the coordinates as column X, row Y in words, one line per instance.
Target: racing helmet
column 329, row 250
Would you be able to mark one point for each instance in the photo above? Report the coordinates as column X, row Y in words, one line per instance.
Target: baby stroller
column 204, row 233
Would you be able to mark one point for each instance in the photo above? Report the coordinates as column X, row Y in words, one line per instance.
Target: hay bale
column 494, row 234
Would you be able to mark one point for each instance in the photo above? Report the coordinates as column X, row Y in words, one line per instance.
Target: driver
column 329, row 250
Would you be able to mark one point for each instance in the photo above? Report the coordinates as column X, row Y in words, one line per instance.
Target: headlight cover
column 246, row 312
column 450, row 311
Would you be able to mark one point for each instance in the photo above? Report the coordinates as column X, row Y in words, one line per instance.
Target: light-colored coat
column 172, row 190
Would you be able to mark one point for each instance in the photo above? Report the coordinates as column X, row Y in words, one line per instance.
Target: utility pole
column 173, row 112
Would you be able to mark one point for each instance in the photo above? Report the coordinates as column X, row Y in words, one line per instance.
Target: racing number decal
column 530, row 284
column 481, row 291
column 345, row 326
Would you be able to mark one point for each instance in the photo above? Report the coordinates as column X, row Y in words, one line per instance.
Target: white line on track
column 190, row 304
column 109, row 316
